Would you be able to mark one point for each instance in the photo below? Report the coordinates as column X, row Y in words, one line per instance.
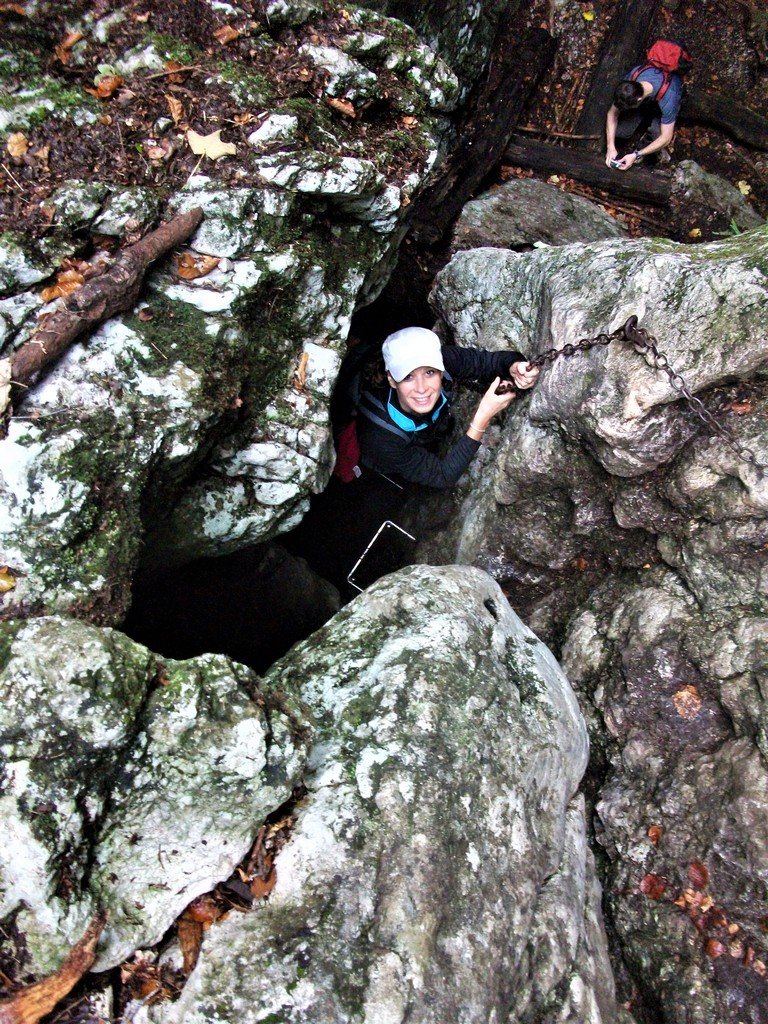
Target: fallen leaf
column 210, row 145
column 70, row 39
column 687, row 702
column 714, row 948
column 698, row 874
column 411, row 122
column 7, row 579
column 759, row 968
column 262, row 887
column 300, row 378
column 190, row 934
column 653, row 886
column 246, row 118
column 106, row 86
column 146, row 314
column 694, row 233
column 67, row 281
column 189, row 267
column 655, row 833
column 740, row 408
column 588, row 15
column 17, row 144
column 42, row 154
column 204, row 909
column 744, row 187
column 176, row 108
column 142, row 17
column 16, row 8
column 226, row 34
column 554, row 179
column 343, row 106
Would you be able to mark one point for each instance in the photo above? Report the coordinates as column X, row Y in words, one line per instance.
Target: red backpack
column 666, row 56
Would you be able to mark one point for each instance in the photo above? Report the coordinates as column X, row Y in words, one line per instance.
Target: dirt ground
column 728, row 40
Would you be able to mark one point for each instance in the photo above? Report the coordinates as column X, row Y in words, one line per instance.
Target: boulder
column 524, row 212
column 129, row 783
column 198, row 424
column 438, row 868
column 632, row 537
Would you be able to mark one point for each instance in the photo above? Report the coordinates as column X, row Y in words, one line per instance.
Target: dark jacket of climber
column 400, row 424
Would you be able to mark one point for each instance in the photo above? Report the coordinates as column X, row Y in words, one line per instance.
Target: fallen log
column 114, row 291
column 516, row 68
column 623, row 47
column 727, row 115
column 652, row 187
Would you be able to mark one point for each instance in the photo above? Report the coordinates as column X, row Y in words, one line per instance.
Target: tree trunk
column 100, row 298
column 725, row 113
column 624, row 46
column 517, row 66
column 652, row 187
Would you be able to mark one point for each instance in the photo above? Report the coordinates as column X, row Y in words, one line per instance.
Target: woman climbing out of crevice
column 402, row 419
column 401, row 422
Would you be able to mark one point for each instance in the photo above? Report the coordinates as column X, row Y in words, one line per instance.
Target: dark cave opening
column 256, row 603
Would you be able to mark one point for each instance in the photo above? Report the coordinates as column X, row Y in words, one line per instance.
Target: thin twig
column 173, row 71
column 13, row 179
column 556, row 135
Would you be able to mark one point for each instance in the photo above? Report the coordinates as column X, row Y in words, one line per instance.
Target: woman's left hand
column 524, row 375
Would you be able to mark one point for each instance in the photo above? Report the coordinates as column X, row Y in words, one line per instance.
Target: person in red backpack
column 647, row 101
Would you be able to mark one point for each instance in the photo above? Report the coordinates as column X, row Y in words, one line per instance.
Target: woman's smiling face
column 418, row 391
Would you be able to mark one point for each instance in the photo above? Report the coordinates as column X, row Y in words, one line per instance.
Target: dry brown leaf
column 226, row 34
column 7, row 579
column 190, row 935
column 15, row 8
column 300, row 378
column 655, row 832
column 343, row 106
column 107, row 86
column 262, row 887
column 740, row 408
column 687, row 702
column 189, row 267
column 714, row 948
column 17, row 144
column 176, row 108
column 67, row 281
column 410, row 122
column 142, row 17
column 41, row 155
column 204, row 909
column 70, row 39
column 146, row 314
column 653, row 886
column 34, row 1002
column 698, row 874
column 210, row 145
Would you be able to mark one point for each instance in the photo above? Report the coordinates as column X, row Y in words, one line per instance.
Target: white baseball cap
column 409, row 348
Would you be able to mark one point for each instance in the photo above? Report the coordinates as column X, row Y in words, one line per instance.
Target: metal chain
column 644, row 342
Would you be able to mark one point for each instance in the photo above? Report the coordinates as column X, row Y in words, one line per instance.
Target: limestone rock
column 129, row 783
column 637, row 539
column 714, row 193
column 524, row 211
column 438, row 864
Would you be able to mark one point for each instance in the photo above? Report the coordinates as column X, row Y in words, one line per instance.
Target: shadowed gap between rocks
column 256, row 603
